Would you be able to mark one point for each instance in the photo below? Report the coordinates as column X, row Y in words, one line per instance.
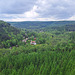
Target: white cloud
column 32, row 13
column 72, row 18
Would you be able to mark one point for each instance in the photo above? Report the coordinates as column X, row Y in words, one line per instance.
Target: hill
column 6, row 29
column 40, row 24
column 54, row 53
column 8, row 32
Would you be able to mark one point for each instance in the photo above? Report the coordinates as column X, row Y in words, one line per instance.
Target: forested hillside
column 9, row 35
column 53, row 54
column 6, row 30
column 40, row 24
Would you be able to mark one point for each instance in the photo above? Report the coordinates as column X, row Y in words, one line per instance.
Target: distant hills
column 41, row 24
column 11, row 28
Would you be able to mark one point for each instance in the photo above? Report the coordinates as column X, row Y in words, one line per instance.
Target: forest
column 40, row 24
column 53, row 54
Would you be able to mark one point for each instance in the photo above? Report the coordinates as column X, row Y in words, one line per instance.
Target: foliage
column 54, row 53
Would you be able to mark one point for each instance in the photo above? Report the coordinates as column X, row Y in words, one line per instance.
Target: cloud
column 61, row 9
column 37, row 10
column 15, row 6
column 72, row 18
column 32, row 13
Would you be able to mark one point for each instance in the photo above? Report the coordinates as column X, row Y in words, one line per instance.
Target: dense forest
column 40, row 24
column 53, row 54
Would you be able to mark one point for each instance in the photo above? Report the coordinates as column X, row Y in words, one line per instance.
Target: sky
column 37, row 10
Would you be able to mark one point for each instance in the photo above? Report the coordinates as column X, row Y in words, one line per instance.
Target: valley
column 53, row 53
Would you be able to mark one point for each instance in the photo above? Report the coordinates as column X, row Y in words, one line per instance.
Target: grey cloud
column 61, row 9
column 7, row 17
column 15, row 6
